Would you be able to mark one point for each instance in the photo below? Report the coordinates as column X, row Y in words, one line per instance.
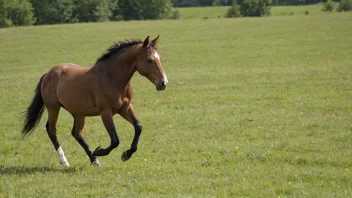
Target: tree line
column 36, row 12
column 194, row 3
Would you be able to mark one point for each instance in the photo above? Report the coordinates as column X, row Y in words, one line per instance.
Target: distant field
column 216, row 12
column 256, row 107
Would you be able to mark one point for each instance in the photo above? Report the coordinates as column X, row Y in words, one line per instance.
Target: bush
column 52, row 12
column 233, row 11
column 144, row 9
column 328, row 6
column 175, row 14
column 16, row 12
column 345, row 5
column 5, row 22
column 94, row 10
column 253, row 8
column 216, row 3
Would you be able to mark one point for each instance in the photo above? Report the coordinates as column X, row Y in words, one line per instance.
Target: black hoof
column 99, row 151
column 125, row 156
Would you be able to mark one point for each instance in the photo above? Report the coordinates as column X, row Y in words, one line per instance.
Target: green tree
column 144, row 9
column 3, row 15
column 175, row 14
column 216, row 3
column 186, row 3
column 104, row 9
column 94, row 10
column 251, row 8
column 328, row 6
column 16, row 12
column 233, row 11
column 345, row 5
column 53, row 11
column 130, row 9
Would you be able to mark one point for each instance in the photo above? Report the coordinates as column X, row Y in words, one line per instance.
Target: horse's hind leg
column 53, row 114
column 77, row 128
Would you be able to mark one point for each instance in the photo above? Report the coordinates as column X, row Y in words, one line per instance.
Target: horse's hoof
column 96, row 163
column 64, row 163
column 124, row 156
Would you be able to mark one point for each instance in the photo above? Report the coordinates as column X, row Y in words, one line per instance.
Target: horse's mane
column 117, row 47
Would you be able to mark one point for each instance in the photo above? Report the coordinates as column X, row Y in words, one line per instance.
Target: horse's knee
column 138, row 127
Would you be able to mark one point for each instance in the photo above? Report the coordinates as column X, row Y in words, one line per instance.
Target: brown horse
column 105, row 89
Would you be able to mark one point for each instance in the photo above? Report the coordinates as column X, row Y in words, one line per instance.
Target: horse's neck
column 118, row 71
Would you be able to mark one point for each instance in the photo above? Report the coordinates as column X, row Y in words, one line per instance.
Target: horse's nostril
column 163, row 83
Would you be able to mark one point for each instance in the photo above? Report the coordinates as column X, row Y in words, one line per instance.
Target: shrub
column 5, row 22
column 16, row 12
column 255, row 8
column 144, row 9
column 175, row 14
column 93, row 10
column 216, row 3
column 328, row 6
column 233, row 11
column 345, row 5
column 52, row 12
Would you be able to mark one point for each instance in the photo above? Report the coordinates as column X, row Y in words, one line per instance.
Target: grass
column 219, row 12
column 256, row 107
column 314, row 9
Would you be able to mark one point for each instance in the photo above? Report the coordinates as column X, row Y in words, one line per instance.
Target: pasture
column 257, row 107
column 219, row 12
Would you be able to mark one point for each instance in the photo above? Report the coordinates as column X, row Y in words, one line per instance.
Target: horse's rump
column 69, row 85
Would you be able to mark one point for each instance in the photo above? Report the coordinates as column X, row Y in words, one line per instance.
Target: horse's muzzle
column 161, row 85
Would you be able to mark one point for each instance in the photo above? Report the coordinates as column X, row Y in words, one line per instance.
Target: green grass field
column 256, row 107
column 219, row 12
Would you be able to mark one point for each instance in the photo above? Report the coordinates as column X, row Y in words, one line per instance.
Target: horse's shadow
column 21, row 170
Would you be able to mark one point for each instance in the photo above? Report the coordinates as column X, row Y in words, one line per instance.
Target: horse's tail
column 35, row 111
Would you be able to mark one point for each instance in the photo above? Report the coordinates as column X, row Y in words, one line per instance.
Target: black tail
column 34, row 111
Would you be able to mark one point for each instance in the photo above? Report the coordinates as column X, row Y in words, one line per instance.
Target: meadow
column 255, row 107
column 220, row 11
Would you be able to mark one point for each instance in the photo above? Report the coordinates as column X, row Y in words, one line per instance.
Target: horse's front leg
column 108, row 121
column 130, row 116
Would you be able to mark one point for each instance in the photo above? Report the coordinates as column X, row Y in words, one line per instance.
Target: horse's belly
column 77, row 99
column 77, row 103
column 81, row 110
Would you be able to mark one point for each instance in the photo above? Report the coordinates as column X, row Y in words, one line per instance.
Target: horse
column 102, row 90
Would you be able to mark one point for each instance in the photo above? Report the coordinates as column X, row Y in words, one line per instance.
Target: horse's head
column 149, row 64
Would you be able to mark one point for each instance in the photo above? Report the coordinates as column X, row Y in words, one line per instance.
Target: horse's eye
column 149, row 60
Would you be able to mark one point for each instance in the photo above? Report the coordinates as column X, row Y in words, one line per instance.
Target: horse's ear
column 146, row 42
column 156, row 40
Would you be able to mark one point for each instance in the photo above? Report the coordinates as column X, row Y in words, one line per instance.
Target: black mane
column 116, row 47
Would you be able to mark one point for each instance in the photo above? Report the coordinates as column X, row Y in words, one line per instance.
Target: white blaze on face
column 156, row 55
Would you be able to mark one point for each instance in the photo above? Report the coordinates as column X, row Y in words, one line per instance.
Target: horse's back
column 62, row 73
column 67, row 70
